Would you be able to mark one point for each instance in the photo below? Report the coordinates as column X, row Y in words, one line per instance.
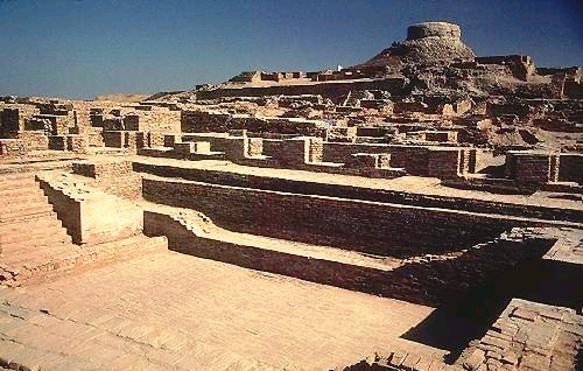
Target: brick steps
column 27, row 197
column 26, row 211
column 28, row 223
column 30, row 233
column 68, row 258
column 15, row 188
column 34, row 256
column 48, row 231
column 36, row 242
column 34, row 245
column 16, row 184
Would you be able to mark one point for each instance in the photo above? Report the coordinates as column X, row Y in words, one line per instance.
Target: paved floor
column 172, row 310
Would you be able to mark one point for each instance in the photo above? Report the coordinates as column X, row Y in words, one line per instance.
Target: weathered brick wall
column 571, row 167
column 159, row 121
column 219, row 122
column 360, row 225
column 444, row 163
column 429, row 281
column 412, row 158
column 12, row 147
column 132, row 140
column 34, row 140
column 396, row 86
column 58, row 142
column 218, row 143
column 532, row 167
column 362, row 193
column 90, row 216
column 14, row 117
column 113, row 139
column 95, row 137
column 113, row 177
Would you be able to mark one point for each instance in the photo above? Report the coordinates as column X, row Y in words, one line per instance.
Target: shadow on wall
column 453, row 326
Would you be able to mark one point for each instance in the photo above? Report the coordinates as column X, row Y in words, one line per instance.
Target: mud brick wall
column 444, row 163
column 362, row 193
column 202, row 121
column 60, row 124
column 341, row 152
column 10, row 121
column 207, row 122
column 12, row 147
column 428, row 281
column 113, row 139
column 396, row 86
column 316, row 150
column 94, row 217
column 255, row 147
column 34, row 140
column 271, row 146
column 571, row 167
column 293, row 152
column 77, row 143
column 114, row 177
column 158, row 120
column 58, row 142
column 371, row 227
column 218, row 143
column 154, row 140
column 131, row 122
column 412, row 158
column 526, row 167
column 13, row 119
column 133, row 140
column 95, row 137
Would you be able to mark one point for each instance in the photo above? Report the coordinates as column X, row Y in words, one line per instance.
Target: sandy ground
column 169, row 309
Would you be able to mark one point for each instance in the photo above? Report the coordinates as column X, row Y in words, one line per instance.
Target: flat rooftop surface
column 172, row 310
column 407, row 184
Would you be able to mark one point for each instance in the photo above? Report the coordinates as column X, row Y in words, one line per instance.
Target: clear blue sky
column 85, row 48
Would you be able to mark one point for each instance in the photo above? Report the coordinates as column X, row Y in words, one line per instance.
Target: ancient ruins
column 422, row 210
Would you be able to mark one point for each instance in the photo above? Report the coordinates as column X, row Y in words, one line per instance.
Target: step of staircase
column 17, row 184
column 50, row 263
column 48, row 230
column 14, row 243
column 27, row 225
column 36, row 209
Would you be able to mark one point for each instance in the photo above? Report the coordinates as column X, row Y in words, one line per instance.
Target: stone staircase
column 34, row 244
column 30, row 233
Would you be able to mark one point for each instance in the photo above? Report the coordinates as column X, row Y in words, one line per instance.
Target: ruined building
column 422, row 210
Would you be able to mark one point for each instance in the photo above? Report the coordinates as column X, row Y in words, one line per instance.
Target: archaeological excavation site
column 421, row 210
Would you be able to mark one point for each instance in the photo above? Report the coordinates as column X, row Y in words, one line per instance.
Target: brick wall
column 113, row 177
column 571, row 167
column 431, row 281
column 362, row 193
column 360, row 225
column 208, row 122
column 12, row 147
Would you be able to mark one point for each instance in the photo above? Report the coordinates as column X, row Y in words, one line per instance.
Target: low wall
column 220, row 122
column 427, row 282
column 113, row 177
column 571, row 167
column 369, row 194
column 396, row 87
column 372, row 227
column 91, row 216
